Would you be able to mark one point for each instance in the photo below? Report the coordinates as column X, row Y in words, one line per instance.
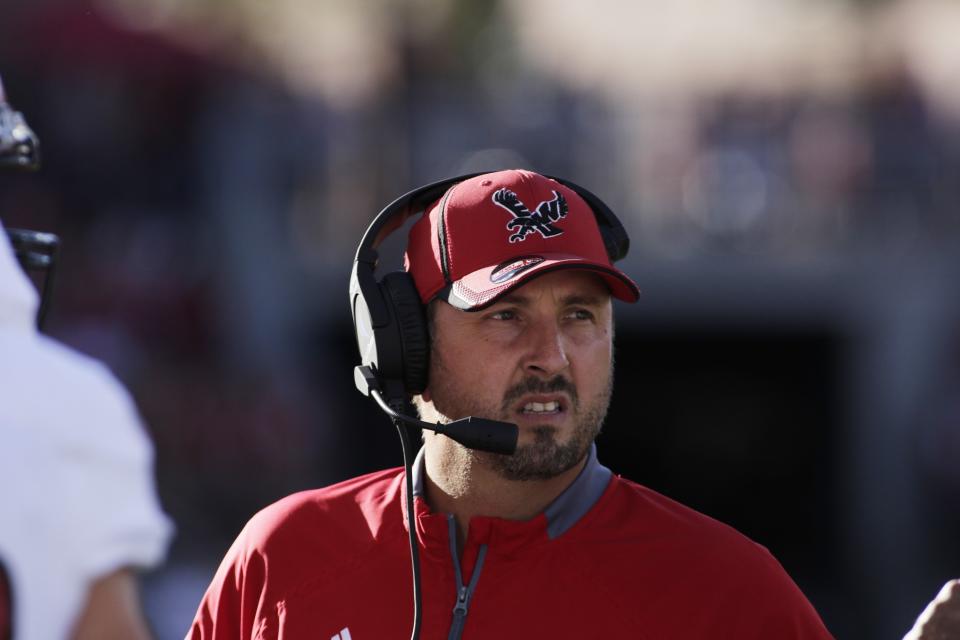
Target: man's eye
column 581, row 314
column 506, row 314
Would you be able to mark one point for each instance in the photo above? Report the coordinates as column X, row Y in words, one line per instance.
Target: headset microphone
column 480, row 434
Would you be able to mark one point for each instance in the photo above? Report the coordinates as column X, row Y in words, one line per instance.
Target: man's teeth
column 541, row 407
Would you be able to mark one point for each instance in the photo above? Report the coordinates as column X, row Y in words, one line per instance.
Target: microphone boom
column 480, row 434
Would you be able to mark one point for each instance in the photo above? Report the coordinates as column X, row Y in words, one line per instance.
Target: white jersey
column 77, row 495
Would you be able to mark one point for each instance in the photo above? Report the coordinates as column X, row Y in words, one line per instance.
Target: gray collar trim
column 571, row 505
column 579, row 497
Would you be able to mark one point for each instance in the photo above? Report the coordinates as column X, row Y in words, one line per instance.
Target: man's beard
column 545, row 457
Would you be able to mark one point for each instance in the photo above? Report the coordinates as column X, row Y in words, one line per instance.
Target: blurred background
column 788, row 170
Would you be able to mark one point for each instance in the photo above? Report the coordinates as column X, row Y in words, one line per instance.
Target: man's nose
column 547, row 353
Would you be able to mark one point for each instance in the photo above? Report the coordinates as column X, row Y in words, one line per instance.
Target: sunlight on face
column 541, row 357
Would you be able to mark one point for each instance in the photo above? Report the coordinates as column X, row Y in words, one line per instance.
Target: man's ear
column 424, row 406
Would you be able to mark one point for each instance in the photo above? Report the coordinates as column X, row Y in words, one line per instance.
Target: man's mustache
column 537, row 385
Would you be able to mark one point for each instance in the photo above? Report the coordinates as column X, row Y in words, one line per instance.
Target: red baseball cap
column 492, row 233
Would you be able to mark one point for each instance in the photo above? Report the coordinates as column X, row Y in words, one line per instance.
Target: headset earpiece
column 411, row 322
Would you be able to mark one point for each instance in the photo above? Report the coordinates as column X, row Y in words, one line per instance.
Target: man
column 78, row 509
column 543, row 543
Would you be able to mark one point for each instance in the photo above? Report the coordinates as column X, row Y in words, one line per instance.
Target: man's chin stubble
column 542, row 459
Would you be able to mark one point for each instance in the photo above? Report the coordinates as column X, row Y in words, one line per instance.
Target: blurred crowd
column 210, row 192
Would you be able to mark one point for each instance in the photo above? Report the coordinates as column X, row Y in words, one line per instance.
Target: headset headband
column 393, row 216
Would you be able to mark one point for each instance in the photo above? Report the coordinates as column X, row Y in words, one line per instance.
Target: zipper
column 464, row 593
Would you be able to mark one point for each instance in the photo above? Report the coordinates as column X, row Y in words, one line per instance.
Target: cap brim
column 483, row 287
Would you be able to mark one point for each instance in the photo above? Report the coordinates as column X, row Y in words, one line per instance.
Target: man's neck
column 458, row 482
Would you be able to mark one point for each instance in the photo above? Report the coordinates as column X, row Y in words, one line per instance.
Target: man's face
column 541, row 357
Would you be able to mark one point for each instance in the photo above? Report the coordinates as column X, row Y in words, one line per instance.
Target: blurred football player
column 78, row 507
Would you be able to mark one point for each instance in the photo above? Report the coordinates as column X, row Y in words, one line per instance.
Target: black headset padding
column 412, row 325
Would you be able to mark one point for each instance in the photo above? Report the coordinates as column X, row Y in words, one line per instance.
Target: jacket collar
column 559, row 516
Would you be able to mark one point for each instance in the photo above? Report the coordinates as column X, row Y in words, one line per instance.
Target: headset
column 35, row 250
column 388, row 316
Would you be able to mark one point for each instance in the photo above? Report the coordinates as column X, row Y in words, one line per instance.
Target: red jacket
column 608, row 559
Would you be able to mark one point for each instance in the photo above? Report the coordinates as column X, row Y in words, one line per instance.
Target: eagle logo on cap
column 524, row 222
